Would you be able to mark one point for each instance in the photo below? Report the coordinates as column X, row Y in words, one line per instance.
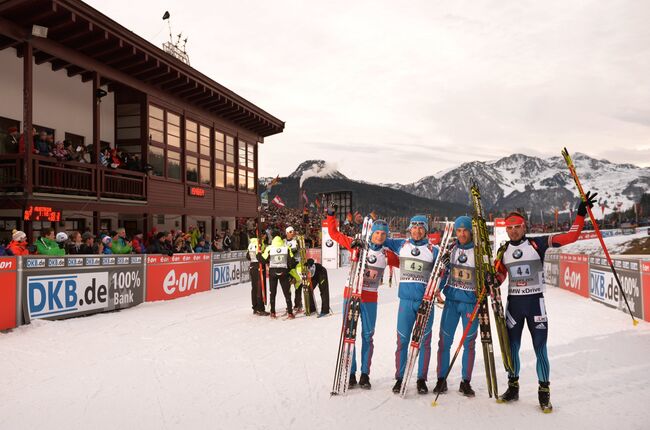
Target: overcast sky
column 392, row 91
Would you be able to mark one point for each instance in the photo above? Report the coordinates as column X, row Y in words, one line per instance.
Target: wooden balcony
column 72, row 178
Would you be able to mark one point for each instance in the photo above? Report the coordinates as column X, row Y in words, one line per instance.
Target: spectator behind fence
column 120, row 243
column 159, row 245
column 89, row 246
column 201, row 246
column 18, row 244
column 47, row 245
column 41, row 144
column 60, row 152
column 107, row 241
column 75, row 244
column 137, row 243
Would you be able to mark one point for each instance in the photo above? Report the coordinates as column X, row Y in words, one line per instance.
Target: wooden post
column 96, row 222
column 96, row 132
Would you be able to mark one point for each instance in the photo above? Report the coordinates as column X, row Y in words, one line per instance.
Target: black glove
column 331, row 211
column 356, row 243
column 591, row 199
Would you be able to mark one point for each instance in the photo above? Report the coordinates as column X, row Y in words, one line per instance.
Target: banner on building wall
column 330, row 250
column 177, row 276
column 8, row 293
column 70, row 286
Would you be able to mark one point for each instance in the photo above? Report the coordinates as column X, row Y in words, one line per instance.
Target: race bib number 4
column 521, row 271
column 371, row 274
column 414, row 266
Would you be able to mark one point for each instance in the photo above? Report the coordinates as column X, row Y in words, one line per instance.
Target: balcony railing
column 71, row 177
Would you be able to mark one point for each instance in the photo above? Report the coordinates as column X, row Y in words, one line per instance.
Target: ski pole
column 572, row 169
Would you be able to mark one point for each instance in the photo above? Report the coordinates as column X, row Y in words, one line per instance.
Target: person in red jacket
column 18, row 244
column 377, row 259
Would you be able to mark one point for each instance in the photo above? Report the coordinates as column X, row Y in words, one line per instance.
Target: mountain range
column 516, row 181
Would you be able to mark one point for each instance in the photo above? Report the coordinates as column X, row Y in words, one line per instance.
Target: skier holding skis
column 292, row 243
column 280, row 260
column 522, row 260
column 377, row 260
column 416, row 263
column 254, row 269
column 460, row 298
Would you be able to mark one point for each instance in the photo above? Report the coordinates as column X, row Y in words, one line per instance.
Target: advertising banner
column 330, row 250
column 344, row 258
column 604, row 288
column 8, row 295
column 645, row 273
column 70, row 286
column 177, row 276
column 229, row 268
column 315, row 254
column 574, row 273
column 552, row 267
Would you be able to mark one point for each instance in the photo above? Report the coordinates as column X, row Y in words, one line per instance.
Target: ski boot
column 291, row 316
column 512, row 393
column 398, row 386
column 466, row 389
column 422, row 386
column 298, row 310
column 441, row 386
column 364, row 381
column 544, row 395
column 353, row 381
column 274, row 316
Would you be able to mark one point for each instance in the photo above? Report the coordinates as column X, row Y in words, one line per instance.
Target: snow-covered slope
column 205, row 362
column 316, row 168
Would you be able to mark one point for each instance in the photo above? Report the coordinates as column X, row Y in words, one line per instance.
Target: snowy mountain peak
column 316, row 168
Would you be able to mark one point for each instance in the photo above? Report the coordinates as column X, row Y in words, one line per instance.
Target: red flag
column 304, row 197
column 317, row 203
column 278, row 202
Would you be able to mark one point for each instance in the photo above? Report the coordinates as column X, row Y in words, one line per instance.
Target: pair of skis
column 352, row 311
column 426, row 306
column 305, row 276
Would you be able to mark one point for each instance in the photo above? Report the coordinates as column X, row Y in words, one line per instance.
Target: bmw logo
column 415, row 252
column 462, row 258
column 278, row 250
column 329, row 243
column 372, row 259
column 517, row 254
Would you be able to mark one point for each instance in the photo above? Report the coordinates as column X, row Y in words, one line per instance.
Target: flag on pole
column 273, row 182
column 278, row 202
column 317, row 202
column 304, row 197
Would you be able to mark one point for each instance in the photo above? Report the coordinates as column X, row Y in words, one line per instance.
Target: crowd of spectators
column 277, row 219
column 66, row 150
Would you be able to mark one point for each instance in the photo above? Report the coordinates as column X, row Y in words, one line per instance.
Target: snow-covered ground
column 205, row 362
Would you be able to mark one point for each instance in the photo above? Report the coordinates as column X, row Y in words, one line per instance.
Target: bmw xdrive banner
column 65, row 287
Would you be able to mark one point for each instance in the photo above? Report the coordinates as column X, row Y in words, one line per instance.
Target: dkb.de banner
column 8, row 296
column 65, row 287
column 604, row 288
column 177, row 276
column 229, row 268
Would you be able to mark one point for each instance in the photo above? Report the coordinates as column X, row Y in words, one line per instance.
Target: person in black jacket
column 319, row 280
column 160, row 245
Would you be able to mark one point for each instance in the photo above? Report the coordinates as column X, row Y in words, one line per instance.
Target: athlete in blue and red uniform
column 416, row 258
column 521, row 259
column 377, row 259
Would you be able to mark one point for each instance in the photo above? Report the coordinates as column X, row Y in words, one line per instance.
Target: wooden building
column 98, row 85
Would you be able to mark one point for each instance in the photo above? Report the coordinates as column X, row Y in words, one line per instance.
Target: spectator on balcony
column 47, row 245
column 138, row 243
column 82, row 155
column 105, row 158
column 71, row 152
column 10, row 144
column 115, row 161
column 159, row 245
column 75, row 244
column 59, row 152
column 121, row 244
column 41, row 145
column 18, row 244
column 21, row 142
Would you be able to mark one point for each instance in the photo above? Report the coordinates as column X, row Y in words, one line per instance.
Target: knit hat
column 18, row 235
column 463, row 222
column 61, row 236
column 379, row 225
column 419, row 220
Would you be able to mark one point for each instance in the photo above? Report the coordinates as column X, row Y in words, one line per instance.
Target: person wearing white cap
column 292, row 243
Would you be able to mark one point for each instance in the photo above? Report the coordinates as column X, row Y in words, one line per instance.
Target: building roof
column 83, row 41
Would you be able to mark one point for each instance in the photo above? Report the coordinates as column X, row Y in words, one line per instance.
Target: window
column 242, row 153
column 230, row 149
column 191, row 169
column 127, row 121
column 156, row 124
column 205, row 172
column 157, row 160
column 173, row 165
column 219, row 176
column 191, row 136
column 242, row 180
column 204, row 139
column 230, row 177
column 160, row 219
column 251, row 181
column 251, row 156
column 75, row 139
column 173, row 130
column 219, row 142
